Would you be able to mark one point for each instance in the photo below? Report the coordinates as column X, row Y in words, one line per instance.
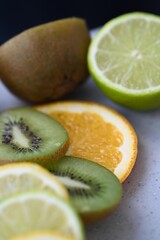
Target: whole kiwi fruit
column 46, row 62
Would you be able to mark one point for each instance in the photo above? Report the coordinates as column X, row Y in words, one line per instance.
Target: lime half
column 34, row 211
column 124, row 60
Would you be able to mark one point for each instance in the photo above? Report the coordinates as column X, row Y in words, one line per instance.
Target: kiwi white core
column 68, row 182
column 19, row 138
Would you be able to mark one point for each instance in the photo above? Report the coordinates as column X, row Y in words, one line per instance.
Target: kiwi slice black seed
column 94, row 190
column 29, row 135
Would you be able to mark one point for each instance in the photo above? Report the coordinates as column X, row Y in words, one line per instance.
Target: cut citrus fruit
column 97, row 133
column 123, row 59
column 44, row 235
column 20, row 177
column 34, row 211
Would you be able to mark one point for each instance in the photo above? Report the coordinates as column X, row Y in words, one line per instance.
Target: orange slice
column 97, row 133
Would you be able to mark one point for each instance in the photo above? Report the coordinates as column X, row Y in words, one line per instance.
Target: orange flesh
column 92, row 138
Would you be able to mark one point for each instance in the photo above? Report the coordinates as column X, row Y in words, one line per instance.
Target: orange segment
column 97, row 133
column 85, row 144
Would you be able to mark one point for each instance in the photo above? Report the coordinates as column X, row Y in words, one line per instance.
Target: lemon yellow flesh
column 38, row 210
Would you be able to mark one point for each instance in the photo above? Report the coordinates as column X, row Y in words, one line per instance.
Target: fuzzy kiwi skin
column 46, row 62
column 93, row 218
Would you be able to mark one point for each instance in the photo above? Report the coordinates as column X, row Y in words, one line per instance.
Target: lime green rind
column 146, row 99
column 126, row 16
column 142, row 102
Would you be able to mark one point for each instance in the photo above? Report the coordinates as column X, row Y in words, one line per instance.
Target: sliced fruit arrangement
column 97, row 133
column 20, row 177
column 94, row 190
column 28, row 135
column 47, row 235
column 46, row 62
column 38, row 210
column 123, row 59
column 100, row 144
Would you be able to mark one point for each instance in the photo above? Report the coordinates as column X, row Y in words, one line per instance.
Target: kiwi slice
column 95, row 191
column 29, row 135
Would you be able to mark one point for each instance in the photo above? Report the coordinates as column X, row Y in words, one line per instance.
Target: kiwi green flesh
column 29, row 135
column 95, row 191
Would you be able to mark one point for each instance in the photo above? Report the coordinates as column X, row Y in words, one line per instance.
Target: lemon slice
column 20, row 177
column 124, row 60
column 47, row 235
column 38, row 210
column 97, row 133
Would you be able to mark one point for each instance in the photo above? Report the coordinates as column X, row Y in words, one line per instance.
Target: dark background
column 18, row 15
